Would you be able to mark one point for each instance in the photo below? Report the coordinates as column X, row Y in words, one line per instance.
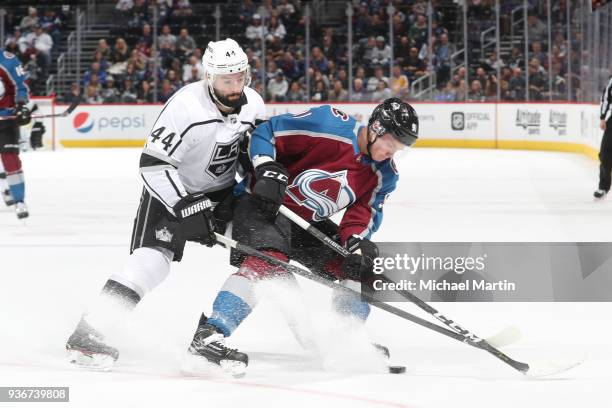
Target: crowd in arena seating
column 34, row 38
column 122, row 67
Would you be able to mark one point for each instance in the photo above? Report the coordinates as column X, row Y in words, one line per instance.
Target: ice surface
column 82, row 203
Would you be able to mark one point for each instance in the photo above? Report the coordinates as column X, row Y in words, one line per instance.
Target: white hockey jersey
column 192, row 147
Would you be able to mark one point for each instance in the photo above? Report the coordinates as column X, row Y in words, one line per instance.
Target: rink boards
column 538, row 126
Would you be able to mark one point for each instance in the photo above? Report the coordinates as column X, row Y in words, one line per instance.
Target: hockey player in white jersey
column 188, row 168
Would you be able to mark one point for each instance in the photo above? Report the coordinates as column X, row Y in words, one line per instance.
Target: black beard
column 225, row 101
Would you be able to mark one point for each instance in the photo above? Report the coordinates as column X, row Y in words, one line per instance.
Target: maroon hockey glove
column 195, row 213
column 270, row 187
column 360, row 266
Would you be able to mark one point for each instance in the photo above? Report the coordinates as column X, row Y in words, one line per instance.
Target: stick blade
column 548, row 368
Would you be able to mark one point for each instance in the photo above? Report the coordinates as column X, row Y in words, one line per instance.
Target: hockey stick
column 65, row 113
column 505, row 337
column 469, row 339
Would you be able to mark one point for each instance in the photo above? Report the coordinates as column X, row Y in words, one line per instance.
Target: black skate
column 210, row 344
column 86, row 348
column 600, row 194
column 7, row 197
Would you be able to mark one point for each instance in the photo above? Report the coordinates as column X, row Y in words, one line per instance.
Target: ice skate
column 7, row 198
column 600, row 194
column 209, row 344
column 21, row 210
column 86, row 348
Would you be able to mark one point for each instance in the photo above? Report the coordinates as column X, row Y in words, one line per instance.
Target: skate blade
column 94, row 362
column 197, row 366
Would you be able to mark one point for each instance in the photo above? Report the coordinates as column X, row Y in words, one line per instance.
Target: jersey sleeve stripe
column 606, row 97
column 146, row 160
column 178, row 192
column 159, row 156
column 302, row 132
column 153, row 192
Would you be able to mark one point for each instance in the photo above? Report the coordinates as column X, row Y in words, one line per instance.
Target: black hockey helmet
column 396, row 117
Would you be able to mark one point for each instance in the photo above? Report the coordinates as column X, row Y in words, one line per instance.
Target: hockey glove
column 270, row 187
column 195, row 213
column 23, row 114
column 359, row 265
column 36, row 136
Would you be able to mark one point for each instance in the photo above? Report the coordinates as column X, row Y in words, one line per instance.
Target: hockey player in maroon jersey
column 316, row 163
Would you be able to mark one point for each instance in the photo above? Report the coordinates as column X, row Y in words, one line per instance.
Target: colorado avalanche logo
column 322, row 192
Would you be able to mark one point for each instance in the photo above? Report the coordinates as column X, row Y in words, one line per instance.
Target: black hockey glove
column 195, row 213
column 359, row 265
column 36, row 136
column 23, row 114
column 270, row 187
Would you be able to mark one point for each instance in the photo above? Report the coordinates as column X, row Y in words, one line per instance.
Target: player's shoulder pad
column 253, row 97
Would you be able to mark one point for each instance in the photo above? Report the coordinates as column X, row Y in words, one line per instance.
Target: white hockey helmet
column 224, row 57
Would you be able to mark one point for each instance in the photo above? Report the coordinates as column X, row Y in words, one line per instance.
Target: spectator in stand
column 181, row 8
column 461, row 92
column 131, row 74
column 73, row 95
column 516, row 58
column 476, row 94
column 193, row 71
column 145, row 93
column 481, row 76
column 30, row 21
column 320, row 92
column 146, row 37
column 402, row 51
column 166, row 91
column 381, row 93
column 414, row 65
column 166, row 38
column 295, row 94
column 124, row 6
column 399, row 83
column 109, row 93
column 329, row 49
column 276, row 29
column 52, row 24
column 443, row 53
column 359, row 93
column 120, row 52
column 537, row 81
column 491, row 88
column 338, row 93
column 285, row 8
column 94, row 70
column 367, row 50
column 373, row 81
column 418, row 32
column 289, row 66
column 17, row 43
column 185, row 44
column 99, row 58
column 536, row 28
column 278, row 87
column 92, row 95
column 319, row 61
column 448, row 94
column 343, row 77
column 255, row 29
column 491, row 62
column 536, row 52
column 175, row 82
column 104, row 49
column 129, row 94
column 381, row 54
column 42, row 43
column 246, row 11
column 517, row 85
column 137, row 60
column 34, row 74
